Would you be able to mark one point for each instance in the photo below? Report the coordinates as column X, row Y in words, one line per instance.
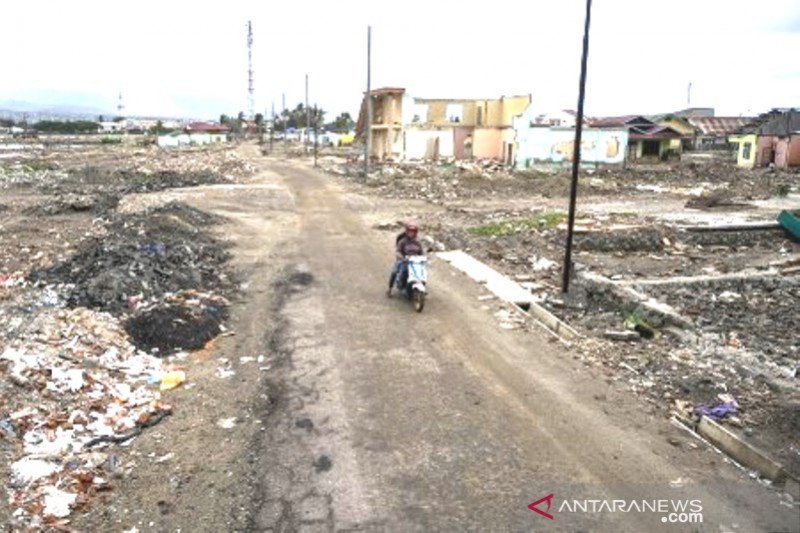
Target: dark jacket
column 407, row 246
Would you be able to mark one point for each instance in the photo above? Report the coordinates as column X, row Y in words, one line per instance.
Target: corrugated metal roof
column 782, row 125
column 624, row 120
column 719, row 126
column 207, row 127
column 658, row 132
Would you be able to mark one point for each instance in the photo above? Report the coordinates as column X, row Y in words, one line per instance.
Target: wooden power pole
column 576, row 154
column 368, row 125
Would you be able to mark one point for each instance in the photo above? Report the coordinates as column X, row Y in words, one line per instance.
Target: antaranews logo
column 671, row 511
column 548, row 499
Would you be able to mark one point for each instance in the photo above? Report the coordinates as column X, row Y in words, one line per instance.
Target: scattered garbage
column 227, row 423
column 96, row 309
column 717, row 412
column 172, row 379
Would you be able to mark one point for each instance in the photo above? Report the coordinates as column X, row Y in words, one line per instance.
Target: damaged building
column 405, row 127
column 772, row 138
column 647, row 140
column 541, row 142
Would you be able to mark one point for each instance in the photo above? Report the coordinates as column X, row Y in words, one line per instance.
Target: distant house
column 711, row 133
column 770, row 138
column 404, row 127
column 646, row 139
column 545, row 144
column 110, row 127
column 195, row 133
column 680, row 124
column 564, row 118
column 695, row 112
column 778, row 141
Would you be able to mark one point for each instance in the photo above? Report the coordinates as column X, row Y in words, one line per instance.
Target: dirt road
column 370, row 417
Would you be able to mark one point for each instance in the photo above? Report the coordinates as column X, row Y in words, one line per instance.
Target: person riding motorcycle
column 406, row 244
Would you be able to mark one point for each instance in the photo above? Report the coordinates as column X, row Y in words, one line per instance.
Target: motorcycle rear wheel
column 418, row 297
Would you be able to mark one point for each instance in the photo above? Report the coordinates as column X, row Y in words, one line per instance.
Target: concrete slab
column 507, row 290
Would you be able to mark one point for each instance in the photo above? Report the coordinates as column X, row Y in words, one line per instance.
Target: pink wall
column 487, row 143
column 794, row 151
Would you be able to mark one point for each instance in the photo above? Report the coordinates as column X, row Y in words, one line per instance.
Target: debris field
column 98, row 310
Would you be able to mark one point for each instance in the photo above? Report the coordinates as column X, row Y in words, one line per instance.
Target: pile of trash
column 183, row 321
column 141, row 258
column 71, row 384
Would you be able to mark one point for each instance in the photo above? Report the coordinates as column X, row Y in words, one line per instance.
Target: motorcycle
column 416, row 279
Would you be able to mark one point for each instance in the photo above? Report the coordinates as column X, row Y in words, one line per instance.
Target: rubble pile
column 137, row 267
column 707, row 186
column 182, row 321
column 221, row 159
column 757, row 314
column 74, row 186
column 70, row 383
column 96, row 310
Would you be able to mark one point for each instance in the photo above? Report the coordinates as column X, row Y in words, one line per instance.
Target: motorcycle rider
column 406, row 244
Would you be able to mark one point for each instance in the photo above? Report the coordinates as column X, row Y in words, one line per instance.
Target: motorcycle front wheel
column 418, row 297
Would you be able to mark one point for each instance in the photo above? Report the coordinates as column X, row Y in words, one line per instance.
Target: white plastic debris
column 70, row 379
column 225, row 373
column 39, row 442
column 29, row 469
column 57, row 502
column 227, row 423
column 729, row 296
column 542, row 263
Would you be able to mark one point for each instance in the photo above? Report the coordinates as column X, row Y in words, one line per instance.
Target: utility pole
column 272, row 128
column 285, row 119
column 689, row 95
column 368, row 136
column 576, row 154
column 308, row 120
column 250, row 84
column 316, row 135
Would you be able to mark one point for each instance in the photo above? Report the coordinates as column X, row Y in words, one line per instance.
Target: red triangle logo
column 548, row 499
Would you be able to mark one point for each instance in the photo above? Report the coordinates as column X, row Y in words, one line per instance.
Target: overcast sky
column 176, row 58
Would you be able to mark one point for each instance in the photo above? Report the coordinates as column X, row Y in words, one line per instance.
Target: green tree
column 66, row 126
column 342, row 124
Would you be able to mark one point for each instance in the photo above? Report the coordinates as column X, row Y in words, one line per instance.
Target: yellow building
column 680, row 125
column 404, row 127
column 746, row 152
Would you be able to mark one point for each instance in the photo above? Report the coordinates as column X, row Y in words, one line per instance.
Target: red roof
column 207, row 127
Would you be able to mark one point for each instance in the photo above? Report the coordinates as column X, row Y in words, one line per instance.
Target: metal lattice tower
column 250, row 85
column 120, row 106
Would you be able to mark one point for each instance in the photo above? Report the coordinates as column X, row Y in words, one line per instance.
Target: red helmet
column 412, row 229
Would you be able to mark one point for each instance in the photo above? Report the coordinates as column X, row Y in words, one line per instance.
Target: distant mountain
column 57, row 103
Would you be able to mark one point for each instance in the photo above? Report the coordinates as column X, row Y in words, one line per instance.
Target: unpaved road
column 369, row 417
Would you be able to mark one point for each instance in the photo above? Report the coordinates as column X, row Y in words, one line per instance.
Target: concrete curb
column 665, row 314
column 727, row 442
column 743, row 452
column 508, row 290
